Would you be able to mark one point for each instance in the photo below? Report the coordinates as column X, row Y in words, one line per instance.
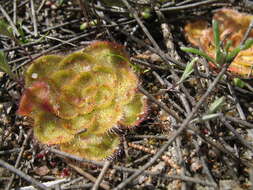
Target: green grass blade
column 216, row 36
column 218, row 103
column 188, row 70
column 239, row 48
column 206, row 117
column 200, row 53
column 227, row 46
column 247, row 44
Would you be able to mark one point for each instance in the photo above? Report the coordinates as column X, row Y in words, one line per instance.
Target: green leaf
column 206, row 117
column 216, row 36
column 146, row 13
column 199, row 52
column 218, row 103
column 239, row 48
column 4, row 66
column 238, row 82
column 227, row 46
column 247, row 44
column 188, row 70
column 22, row 39
column 86, row 25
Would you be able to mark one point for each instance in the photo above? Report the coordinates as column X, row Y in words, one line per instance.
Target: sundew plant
column 77, row 99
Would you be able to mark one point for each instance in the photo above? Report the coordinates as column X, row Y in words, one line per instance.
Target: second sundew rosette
column 232, row 26
column 75, row 100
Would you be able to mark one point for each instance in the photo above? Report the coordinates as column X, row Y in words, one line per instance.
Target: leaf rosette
column 76, row 99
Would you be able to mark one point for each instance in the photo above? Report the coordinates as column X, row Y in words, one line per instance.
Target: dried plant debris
column 77, row 99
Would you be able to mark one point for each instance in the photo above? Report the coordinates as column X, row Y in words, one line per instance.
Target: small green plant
column 222, row 55
column 75, row 100
column 216, row 105
column 6, row 30
column 224, row 42
column 188, row 70
column 4, row 66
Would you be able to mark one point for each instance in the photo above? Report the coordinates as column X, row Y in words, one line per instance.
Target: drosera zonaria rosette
column 77, row 99
column 232, row 27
